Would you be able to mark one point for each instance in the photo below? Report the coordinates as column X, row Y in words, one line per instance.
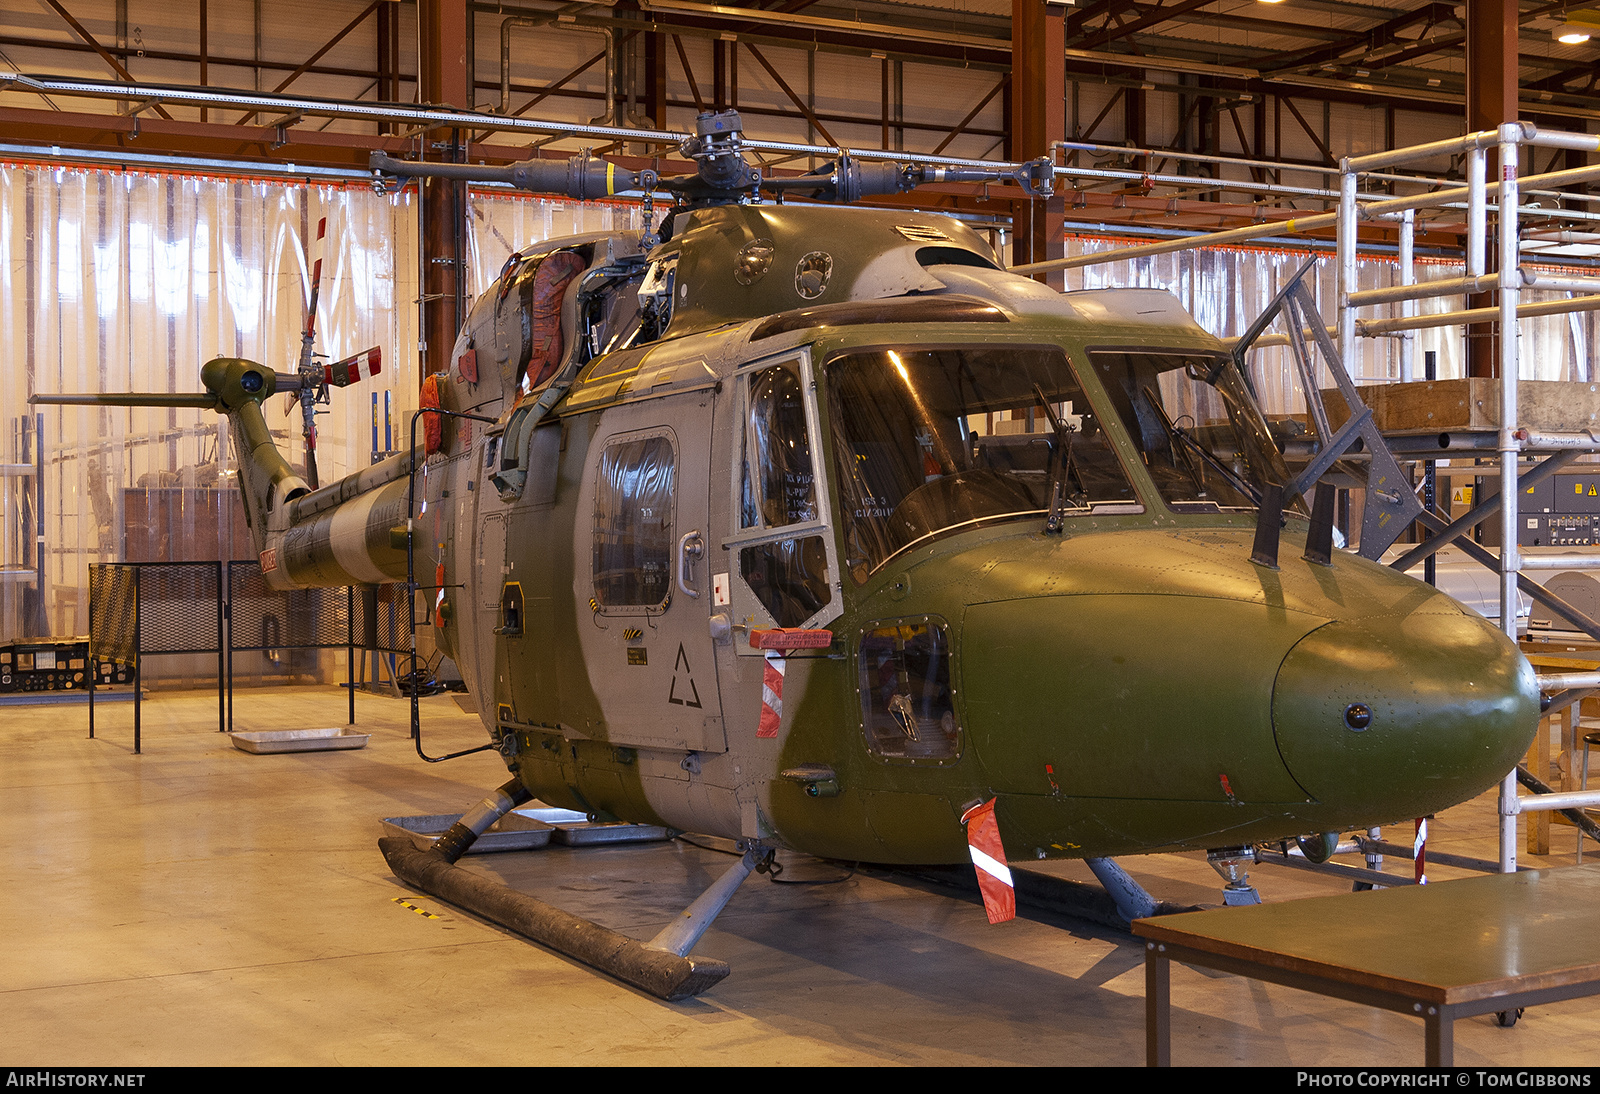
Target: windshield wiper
column 1061, row 465
column 1197, row 471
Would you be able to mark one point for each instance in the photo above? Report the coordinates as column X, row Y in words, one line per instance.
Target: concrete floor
column 199, row 905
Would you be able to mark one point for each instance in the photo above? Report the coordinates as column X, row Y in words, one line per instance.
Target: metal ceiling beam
column 961, row 126
column 1559, row 80
column 213, row 59
column 318, row 55
column 1103, row 10
column 105, row 55
column 1366, row 41
column 799, row 103
column 1160, row 15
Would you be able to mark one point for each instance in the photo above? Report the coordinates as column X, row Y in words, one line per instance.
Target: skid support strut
column 1132, row 900
column 679, row 937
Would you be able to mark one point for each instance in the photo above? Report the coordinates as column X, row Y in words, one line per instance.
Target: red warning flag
column 772, row 694
column 989, row 858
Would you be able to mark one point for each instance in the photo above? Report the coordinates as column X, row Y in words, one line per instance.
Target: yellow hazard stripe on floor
column 404, row 903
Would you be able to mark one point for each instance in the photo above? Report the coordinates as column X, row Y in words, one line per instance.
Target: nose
column 1398, row 717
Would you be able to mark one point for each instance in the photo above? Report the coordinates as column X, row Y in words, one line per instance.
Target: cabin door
column 642, row 574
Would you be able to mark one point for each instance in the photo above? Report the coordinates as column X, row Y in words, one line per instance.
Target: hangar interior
column 154, row 216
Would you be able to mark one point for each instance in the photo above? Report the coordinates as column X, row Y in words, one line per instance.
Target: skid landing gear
column 661, row 966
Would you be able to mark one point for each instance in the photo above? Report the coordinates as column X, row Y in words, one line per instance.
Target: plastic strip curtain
column 126, row 281
column 1225, row 289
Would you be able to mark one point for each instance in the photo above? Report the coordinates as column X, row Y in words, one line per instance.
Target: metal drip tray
column 512, row 832
column 525, row 830
column 299, row 740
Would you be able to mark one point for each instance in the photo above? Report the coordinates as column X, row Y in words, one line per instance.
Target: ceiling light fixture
column 1577, row 26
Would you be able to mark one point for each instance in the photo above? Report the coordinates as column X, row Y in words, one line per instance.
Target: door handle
column 690, row 547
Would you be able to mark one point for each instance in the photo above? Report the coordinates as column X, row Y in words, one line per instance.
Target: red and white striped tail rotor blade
column 989, row 860
column 316, row 279
column 352, row 370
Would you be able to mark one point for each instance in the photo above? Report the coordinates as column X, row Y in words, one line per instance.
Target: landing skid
column 661, row 966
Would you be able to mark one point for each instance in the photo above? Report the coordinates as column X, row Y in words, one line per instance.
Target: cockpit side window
column 1201, row 436
column 784, row 559
column 926, row 440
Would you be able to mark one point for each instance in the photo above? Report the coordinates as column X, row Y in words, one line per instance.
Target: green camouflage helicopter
column 813, row 528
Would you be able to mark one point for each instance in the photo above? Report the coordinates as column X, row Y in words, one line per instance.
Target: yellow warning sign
column 1461, row 495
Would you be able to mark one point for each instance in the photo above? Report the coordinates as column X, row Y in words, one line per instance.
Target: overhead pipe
column 512, row 21
column 421, row 118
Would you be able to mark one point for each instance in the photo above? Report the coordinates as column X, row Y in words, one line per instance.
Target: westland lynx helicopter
column 812, row 528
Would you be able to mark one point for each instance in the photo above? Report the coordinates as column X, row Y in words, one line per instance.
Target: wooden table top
column 1448, row 942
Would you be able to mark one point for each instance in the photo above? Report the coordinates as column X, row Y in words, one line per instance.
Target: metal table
column 1440, row 952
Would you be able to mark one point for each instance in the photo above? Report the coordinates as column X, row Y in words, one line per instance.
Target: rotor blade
column 316, row 282
column 362, row 366
column 311, row 457
column 199, row 401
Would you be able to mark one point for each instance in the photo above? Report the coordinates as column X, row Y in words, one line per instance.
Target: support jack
column 1233, row 863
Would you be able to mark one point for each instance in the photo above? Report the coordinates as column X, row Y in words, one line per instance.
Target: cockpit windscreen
column 927, row 440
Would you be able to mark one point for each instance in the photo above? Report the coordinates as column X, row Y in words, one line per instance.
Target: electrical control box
column 1562, row 511
column 54, row 664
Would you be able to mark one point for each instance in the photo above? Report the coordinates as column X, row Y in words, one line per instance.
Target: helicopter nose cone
column 1401, row 717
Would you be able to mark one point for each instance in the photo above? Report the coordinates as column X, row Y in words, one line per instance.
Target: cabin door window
column 782, row 553
column 633, row 514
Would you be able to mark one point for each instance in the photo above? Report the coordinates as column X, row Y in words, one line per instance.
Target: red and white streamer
column 989, row 859
column 1419, row 850
column 772, row 694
